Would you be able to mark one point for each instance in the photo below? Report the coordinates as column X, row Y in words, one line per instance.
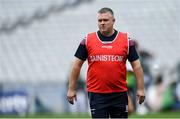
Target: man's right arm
column 75, row 71
column 80, row 57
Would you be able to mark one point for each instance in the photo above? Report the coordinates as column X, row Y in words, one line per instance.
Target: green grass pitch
column 167, row 114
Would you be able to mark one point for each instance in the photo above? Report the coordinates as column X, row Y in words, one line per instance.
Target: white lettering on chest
column 112, row 58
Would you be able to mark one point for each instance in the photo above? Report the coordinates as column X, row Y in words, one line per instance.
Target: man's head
column 106, row 21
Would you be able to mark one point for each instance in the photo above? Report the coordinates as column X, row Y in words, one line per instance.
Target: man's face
column 105, row 22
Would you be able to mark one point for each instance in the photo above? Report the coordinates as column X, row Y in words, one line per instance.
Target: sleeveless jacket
column 107, row 64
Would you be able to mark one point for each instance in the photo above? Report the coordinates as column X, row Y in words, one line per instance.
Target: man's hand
column 71, row 96
column 140, row 97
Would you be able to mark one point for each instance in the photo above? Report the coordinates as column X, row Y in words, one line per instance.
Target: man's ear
column 114, row 20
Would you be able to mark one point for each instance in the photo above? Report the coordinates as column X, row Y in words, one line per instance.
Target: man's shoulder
column 90, row 33
column 124, row 33
column 132, row 42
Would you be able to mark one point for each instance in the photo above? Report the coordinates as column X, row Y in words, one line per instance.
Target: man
column 106, row 52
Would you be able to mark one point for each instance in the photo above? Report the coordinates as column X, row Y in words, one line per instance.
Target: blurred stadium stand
column 38, row 38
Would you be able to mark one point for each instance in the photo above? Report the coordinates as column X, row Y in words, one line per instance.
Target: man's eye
column 103, row 20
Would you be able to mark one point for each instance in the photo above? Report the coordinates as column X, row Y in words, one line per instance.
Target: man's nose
column 102, row 22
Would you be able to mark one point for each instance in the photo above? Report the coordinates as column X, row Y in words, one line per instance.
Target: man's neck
column 107, row 33
column 107, row 38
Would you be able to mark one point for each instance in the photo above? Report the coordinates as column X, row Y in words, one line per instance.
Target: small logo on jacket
column 107, row 46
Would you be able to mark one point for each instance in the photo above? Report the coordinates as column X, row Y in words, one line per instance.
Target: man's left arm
column 138, row 72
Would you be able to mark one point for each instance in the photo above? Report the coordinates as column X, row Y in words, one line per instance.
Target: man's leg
column 99, row 113
column 118, row 112
column 119, row 105
column 98, row 106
